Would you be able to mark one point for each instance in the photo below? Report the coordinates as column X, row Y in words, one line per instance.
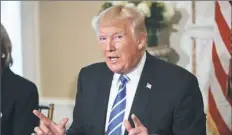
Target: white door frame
column 31, row 41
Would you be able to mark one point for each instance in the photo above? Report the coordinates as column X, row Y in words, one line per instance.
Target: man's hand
column 48, row 127
column 139, row 129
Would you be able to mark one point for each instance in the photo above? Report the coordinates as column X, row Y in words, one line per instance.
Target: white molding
column 31, row 41
column 200, row 31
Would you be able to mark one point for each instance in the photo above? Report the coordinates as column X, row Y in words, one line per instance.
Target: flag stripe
column 213, row 110
column 222, row 26
column 226, row 11
column 222, row 52
column 220, row 73
column 211, row 124
column 223, row 106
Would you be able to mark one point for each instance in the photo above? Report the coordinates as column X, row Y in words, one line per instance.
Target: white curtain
column 11, row 19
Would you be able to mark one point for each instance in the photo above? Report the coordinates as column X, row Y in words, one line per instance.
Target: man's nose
column 110, row 45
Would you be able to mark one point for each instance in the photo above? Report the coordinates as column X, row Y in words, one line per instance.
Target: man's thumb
column 63, row 122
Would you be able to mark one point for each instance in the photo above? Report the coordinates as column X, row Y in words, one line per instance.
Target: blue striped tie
column 118, row 109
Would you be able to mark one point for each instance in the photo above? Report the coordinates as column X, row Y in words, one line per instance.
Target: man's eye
column 118, row 37
column 102, row 38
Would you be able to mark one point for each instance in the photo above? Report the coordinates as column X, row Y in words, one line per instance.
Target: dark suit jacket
column 173, row 106
column 19, row 98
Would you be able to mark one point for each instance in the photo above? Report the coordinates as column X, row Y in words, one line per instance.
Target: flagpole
column 194, row 63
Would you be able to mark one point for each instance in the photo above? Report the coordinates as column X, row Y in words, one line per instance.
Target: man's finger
column 45, row 129
column 134, row 131
column 127, row 125
column 38, row 131
column 43, row 118
column 63, row 122
column 136, row 120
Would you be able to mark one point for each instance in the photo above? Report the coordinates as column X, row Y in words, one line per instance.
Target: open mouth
column 113, row 58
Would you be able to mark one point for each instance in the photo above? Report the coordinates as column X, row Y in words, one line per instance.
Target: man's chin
column 115, row 69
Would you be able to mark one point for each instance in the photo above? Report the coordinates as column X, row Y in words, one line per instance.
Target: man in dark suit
column 132, row 92
column 19, row 96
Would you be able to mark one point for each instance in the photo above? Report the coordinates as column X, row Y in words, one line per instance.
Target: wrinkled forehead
column 114, row 21
column 115, row 25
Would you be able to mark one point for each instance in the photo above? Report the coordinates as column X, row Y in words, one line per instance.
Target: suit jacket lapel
column 142, row 93
column 101, row 101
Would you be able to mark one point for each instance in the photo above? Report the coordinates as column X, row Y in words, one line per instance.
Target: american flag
column 219, row 100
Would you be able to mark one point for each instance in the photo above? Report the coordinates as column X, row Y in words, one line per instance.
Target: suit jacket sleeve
column 189, row 116
column 24, row 119
column 77, row 127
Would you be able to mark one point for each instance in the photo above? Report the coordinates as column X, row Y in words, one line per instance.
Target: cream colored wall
column 67, row 43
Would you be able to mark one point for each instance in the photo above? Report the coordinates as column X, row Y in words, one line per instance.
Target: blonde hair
column 118, row 13
column 6, row 48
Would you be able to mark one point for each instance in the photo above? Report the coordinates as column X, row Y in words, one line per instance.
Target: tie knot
column 124, row 79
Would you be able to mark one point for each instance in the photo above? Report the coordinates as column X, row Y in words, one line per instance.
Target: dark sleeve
column 24, row 119
column 189, row 116
column 77, row 123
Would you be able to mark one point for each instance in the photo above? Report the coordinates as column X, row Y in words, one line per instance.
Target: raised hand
column 48, row 127
column 139, row 129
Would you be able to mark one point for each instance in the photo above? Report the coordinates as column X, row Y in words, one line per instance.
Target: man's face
column 121, row 50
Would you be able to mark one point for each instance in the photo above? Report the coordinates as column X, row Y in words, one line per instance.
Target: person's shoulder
column 23, row 89
column 177, row 69
column 24, row 83
column 97, row 67
column 172, row 78
column 172, row 71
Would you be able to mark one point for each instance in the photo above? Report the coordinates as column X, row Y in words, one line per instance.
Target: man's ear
column 142, row 39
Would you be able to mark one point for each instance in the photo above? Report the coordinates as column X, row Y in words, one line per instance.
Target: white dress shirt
column 131, row 87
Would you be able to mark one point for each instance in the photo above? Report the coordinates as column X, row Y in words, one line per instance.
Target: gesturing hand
column 139, row 129
column 48, row 127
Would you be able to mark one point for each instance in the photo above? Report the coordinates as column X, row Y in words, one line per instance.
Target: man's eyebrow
column 118, row 33
column 111, row 34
